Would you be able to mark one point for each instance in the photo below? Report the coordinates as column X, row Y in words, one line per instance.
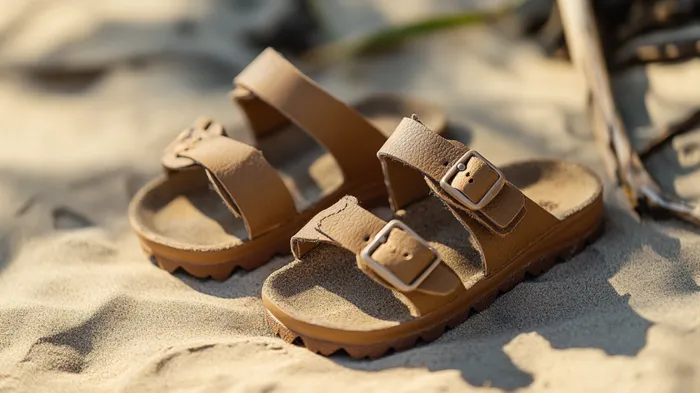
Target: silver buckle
column 387, row 274
column 459, row 195
column 187, row 139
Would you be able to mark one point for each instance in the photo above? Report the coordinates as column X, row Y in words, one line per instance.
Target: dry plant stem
column 669, row 132
column 586, row 53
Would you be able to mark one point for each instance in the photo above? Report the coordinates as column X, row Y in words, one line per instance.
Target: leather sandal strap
column 390, row 253
column 468, row 181
column 507, row 223
column 249, row 186
column 271, row 91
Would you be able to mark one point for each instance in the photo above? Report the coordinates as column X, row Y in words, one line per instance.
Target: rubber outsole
column 372, row 196
column 220, row 271
column 432, row 333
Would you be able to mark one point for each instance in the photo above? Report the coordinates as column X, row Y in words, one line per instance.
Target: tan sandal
column 422, row 272
column 221, row 204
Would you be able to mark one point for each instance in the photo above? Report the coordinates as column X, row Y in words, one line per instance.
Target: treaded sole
column 222, row 270
column 378, row 350
column 370, row 197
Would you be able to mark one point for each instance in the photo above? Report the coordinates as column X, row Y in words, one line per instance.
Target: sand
column 82, row 309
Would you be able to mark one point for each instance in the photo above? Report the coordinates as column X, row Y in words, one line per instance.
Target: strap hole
column 467, row 174
column 366, row 238
column 407, row 256
column 471, row 180
column 446, row 163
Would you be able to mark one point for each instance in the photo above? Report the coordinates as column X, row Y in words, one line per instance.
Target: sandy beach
column 89, row 97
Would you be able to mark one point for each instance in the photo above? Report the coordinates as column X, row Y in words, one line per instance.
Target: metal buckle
column 187, row 139
column 459, row 195
column 387, row 274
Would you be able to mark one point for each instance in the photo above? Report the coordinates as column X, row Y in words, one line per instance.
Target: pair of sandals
column 358, row 282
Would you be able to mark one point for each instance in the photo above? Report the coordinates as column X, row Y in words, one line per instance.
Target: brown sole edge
column 374, row 351
column 222, row 270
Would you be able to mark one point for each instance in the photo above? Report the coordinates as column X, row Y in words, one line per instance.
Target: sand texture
column 90, row 95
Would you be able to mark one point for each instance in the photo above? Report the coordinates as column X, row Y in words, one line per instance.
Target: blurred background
column 95, row 89
column 92, row 91
column 113, row 67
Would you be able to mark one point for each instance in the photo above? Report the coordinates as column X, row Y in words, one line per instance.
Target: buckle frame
column 386, row 274
column 187, row 139
column 459, row 195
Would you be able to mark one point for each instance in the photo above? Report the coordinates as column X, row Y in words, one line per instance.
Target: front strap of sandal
column 249, row 186
column 501, row 218
column 271, row 90
column 391, row 253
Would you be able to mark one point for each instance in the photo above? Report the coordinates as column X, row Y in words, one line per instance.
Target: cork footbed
column 326, row 291
column 181, row 221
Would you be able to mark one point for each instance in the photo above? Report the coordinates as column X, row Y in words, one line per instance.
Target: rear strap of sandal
column 466, row 179
column 501, row 218
column 271, row 88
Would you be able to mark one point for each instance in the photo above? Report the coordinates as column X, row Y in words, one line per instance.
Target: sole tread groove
column 220, row 271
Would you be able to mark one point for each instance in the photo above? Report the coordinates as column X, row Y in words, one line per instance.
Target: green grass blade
column 391, row 36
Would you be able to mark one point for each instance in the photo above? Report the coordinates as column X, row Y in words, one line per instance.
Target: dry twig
column 584, row 46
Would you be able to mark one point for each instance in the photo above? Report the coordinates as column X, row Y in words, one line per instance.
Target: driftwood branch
column 583, row 40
